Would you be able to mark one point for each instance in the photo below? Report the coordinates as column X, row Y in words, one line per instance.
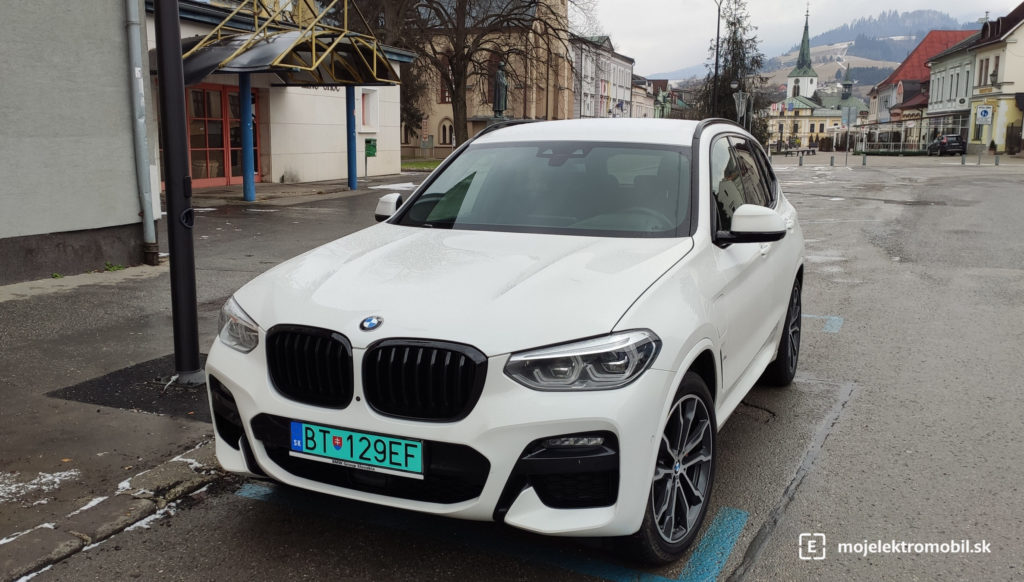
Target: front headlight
column 237, row 329
column 603, row 363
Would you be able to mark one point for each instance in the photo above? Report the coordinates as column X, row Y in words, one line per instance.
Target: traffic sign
column 984, row 115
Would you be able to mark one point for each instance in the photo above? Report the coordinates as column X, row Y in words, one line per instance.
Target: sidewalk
column 286, row 194
column 94, row 438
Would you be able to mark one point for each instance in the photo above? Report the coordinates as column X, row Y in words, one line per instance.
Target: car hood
column 500, row 292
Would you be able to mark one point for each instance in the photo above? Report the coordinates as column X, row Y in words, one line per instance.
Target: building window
column 796, row 87
column 821, row 128
column 369, row 109
column 995, row 69
column 447, row 131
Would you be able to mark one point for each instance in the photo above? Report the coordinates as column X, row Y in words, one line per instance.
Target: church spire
column 803, row 80
column 803, row 61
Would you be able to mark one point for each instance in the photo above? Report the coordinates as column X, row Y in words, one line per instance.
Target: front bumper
column 489, row 465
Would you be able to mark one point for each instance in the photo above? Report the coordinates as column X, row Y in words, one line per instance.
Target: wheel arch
column 704, row 365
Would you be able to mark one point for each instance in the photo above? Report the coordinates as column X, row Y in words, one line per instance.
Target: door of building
column 214, row 135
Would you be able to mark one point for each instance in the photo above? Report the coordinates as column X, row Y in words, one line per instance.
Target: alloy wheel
column 682, row 475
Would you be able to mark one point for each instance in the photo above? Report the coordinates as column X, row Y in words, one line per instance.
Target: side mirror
column 752, row 223
column 387, row 206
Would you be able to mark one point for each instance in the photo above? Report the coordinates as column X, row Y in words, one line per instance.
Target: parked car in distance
column 947, row 144
column 548, row 333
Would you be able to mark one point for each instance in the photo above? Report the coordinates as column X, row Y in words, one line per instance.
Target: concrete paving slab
column 108, row 517
column 34, row 550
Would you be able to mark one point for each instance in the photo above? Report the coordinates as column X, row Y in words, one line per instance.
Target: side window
column 755, row 189
column 726, row 183
column 771, row 182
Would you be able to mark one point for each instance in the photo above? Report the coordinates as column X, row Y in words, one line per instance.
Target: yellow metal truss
column 318, row 41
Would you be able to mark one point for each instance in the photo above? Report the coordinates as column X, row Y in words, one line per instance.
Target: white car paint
column 504, row 292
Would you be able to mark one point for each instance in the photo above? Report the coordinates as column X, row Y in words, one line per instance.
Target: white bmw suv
column 548, row 333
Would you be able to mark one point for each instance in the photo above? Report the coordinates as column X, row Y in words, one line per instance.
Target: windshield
column 581, row 188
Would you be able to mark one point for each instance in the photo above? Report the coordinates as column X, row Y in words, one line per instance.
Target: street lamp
column 718, row 32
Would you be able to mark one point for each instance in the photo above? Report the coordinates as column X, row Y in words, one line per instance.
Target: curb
column 142, row 498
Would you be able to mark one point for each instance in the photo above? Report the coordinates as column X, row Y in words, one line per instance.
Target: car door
column 780, row 257
column 740, row 298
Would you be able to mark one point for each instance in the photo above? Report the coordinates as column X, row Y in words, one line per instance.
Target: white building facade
column 950, row 88
column 603, row 79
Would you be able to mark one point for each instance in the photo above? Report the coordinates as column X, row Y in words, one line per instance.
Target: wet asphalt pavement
column 903, row 424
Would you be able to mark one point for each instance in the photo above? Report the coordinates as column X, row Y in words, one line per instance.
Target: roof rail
column 502, row 124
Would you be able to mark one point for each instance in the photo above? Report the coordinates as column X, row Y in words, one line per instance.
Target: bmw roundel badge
column 371, row 323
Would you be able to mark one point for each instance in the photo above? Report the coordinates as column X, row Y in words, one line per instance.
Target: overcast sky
column 664, row 35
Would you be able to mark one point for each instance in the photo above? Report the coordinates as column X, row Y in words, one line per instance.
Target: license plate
column 357, row 450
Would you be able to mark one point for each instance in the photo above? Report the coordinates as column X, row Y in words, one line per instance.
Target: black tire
column 782, row 371
column 682, row 480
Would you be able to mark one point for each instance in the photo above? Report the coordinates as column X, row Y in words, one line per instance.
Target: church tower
column 803, row 81
column 847, row 84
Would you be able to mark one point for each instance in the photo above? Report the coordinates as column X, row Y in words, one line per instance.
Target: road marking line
column 705, row 562
column 833, row 323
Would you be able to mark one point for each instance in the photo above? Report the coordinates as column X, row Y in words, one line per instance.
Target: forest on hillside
column 890, row 23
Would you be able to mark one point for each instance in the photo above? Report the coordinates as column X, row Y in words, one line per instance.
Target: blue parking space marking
column 833, row 323
column 705, row 563
column 714, row 548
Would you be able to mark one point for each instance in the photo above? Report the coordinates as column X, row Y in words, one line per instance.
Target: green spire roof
column 803, row 62
column 846, row 77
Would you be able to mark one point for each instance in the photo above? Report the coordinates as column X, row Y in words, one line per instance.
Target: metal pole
column 718, row 32
column 248, row 163
column 180, row 217
column 150, row 249
column 350, row 129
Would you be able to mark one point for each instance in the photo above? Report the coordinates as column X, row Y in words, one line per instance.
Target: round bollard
column 801, row 159
column 831, row 160
column 863, row 159
column 997, row 159
column 963, row 159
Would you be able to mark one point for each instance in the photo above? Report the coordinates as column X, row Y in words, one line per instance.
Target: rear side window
column 755, row 187
column 726, row 183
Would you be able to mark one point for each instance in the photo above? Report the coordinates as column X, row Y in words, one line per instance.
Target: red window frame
column 210, row 163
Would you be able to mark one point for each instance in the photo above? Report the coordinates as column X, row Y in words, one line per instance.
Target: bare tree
column 464, row 40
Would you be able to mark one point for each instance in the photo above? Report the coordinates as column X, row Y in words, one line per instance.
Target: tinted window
column 559, row 188
column 755, row 189
column 726, row 183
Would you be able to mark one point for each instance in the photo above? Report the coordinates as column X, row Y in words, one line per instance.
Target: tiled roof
column 995, row 30
column 964, row 44
column 913, row 67
column 919, row 100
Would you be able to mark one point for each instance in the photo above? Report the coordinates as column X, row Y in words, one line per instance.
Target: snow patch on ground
column 169, row 509
column 96, row 501
column 17, row 535
column 11, row 489
column 192, row 463
column 27, row 577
